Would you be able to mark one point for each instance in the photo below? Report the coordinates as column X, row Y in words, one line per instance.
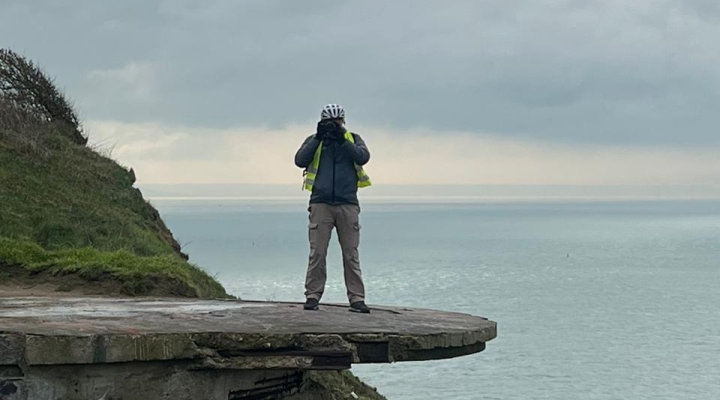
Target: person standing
column 333, row 160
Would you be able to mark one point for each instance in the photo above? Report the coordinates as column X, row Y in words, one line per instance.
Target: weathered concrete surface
column 145, row 349
column 228, row 334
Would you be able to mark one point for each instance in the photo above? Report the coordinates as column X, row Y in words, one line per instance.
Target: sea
column 608, row 299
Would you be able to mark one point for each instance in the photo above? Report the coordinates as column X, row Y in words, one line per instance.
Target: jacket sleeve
column 304, row 156
column 358, row 151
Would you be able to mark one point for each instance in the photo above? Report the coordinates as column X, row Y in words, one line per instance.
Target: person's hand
column 339, row 134
column 324, row 130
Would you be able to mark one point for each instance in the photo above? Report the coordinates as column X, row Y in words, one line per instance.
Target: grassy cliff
column 70, row 216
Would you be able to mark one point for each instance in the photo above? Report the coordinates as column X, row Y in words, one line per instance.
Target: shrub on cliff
column 26, row 87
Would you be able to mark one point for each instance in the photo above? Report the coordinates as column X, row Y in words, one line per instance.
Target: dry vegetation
column 28, row 97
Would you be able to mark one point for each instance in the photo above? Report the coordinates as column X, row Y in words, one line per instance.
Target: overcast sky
column 616, row 92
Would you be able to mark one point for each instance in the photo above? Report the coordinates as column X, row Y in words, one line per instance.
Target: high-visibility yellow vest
column 312, row 170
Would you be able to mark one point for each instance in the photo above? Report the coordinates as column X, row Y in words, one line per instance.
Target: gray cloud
column 579, row 71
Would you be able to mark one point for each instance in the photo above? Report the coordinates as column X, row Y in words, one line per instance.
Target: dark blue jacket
column 336, row 180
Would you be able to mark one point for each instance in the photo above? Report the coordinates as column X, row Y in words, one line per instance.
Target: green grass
column 67, row 209
column 134, row 274
column 73, row 197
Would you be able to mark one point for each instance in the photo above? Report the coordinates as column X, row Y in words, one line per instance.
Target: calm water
column 593, row 300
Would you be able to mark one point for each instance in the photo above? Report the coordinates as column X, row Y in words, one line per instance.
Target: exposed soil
column 18, row 281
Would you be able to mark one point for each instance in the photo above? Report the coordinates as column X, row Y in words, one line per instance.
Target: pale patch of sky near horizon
column 181, row 155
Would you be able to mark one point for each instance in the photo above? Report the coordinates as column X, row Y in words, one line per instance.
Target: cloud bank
column 604, row 72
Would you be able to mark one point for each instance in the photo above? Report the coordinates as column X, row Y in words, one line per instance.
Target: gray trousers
column 323, row 218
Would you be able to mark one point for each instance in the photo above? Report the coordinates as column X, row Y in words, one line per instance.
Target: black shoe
column 311, row 304
column 359, row 307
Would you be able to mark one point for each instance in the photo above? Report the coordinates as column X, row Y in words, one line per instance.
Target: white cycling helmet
column 332, row 111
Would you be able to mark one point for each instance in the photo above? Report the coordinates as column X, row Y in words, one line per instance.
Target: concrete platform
column 146, row 349
column 229, row 334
